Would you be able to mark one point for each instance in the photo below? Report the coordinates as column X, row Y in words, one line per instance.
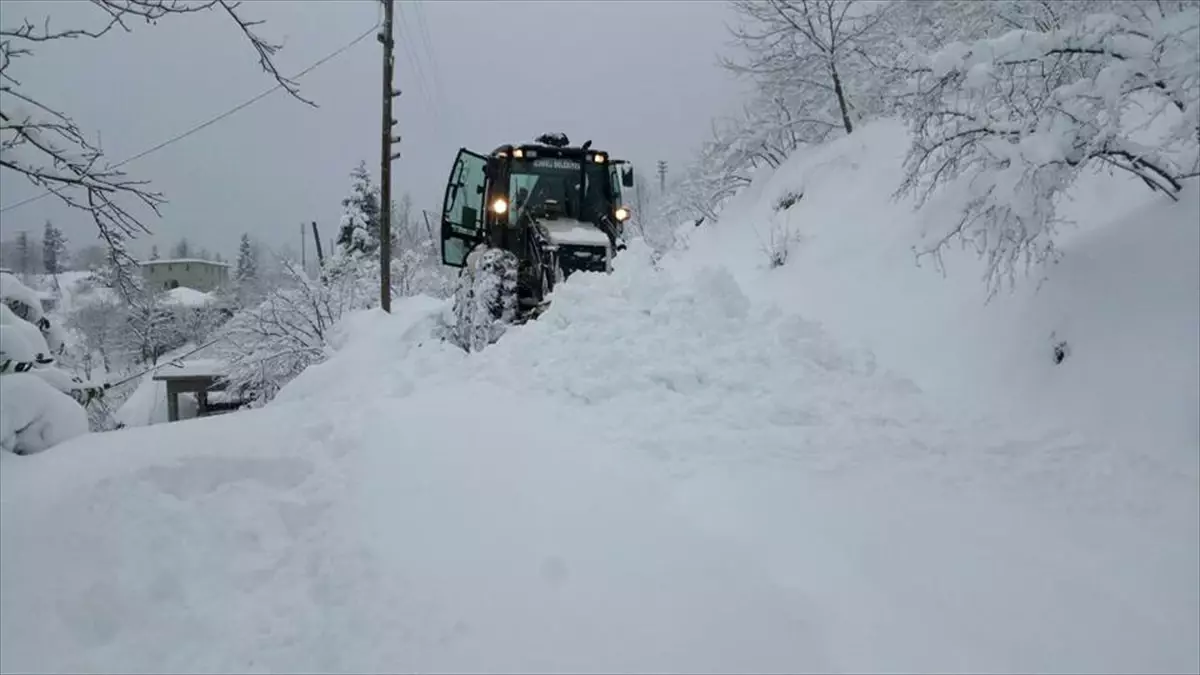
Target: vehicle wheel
column 485, row 300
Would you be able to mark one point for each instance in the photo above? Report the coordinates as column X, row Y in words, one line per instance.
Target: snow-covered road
column 658, row 475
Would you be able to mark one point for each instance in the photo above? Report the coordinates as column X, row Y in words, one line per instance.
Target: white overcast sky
column 637, row 77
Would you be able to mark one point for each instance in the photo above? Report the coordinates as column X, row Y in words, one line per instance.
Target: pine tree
column 154, row 252
column 247, row 266
column 246, row 272
column 54, row 249
column 182, row 250
column 24, row 254
column 359, row 230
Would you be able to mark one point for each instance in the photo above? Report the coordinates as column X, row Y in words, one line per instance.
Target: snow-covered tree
column 269, row 344
column 97, row 324
column 154, row 252
column 43, row 144
column 182, row 249
column 245, row 274
column 358, row 231
column 1018, row 117
column 416, row 254
column 720, row 168
column 54, row 249
column 247, row 264
column 813, row 62
column 149, row 328
column 24, row 255
column 89, row 258
column 40, row 404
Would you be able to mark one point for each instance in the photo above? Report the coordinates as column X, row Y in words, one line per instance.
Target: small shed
column 201, row 378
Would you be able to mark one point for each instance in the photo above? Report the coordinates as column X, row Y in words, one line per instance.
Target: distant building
column 201, row 275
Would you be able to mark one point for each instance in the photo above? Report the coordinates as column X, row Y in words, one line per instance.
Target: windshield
column 533, row 182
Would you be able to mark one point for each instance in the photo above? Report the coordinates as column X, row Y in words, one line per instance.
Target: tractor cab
column 522, row 218
column 537, row 199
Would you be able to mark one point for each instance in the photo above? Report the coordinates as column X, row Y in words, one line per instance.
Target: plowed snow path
column 656, row 475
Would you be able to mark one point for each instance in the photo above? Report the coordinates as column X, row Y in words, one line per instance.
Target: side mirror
column 627, row 177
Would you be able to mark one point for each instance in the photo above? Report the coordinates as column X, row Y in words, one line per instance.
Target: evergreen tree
column 154, row 252
column 54, row 249
column 182, row 250
column 245, row 273
column 359, row 230
column 24, row 254
column 247, row 266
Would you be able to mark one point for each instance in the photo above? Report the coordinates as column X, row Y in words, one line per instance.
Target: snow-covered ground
column 1125, row 297
column 683, row 466
column 188, row 297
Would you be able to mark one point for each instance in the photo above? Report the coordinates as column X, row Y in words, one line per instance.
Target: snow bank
column 368, row 536
column 672, row 470
column 188, row 297
column 1125, row 298
column 35, row 416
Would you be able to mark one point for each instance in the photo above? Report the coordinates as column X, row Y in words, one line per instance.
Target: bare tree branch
column 47, row 147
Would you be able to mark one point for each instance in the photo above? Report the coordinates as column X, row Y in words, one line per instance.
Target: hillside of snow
column 1125, row 297
column 696, row 464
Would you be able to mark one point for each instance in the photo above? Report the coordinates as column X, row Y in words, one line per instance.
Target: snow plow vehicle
column 522, row 219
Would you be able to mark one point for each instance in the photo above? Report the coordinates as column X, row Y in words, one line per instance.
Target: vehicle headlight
column 500, row 206
column 622, row 214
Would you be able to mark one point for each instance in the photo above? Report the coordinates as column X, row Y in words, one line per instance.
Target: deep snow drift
column 715, row 486
column 676, row 468
column 1125, row 297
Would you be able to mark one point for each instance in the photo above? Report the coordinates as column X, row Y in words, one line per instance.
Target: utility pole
column 386, row 159
column 662, row 176
column 303, row 250
column 317, row 242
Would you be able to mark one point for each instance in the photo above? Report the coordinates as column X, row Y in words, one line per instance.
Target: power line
column 428, row 45
column 408, row 45
column 245, row 104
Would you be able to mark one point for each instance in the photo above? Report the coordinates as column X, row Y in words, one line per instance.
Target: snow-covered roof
column 192, row 368
column 176, row 261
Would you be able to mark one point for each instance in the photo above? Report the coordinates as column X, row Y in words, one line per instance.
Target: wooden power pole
column 386, row 159
column 317, row 241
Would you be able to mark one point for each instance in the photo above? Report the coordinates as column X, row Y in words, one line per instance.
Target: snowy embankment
column 675, row 468
column 1125, row 298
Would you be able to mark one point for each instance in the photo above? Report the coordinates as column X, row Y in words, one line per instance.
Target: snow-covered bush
column 1017, row 118
column 35, row 416
column 40, row 404
column 417, row 274
column 269, row 344
column 778, row 244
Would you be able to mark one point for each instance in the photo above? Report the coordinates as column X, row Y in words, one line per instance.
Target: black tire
column 485, row 301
